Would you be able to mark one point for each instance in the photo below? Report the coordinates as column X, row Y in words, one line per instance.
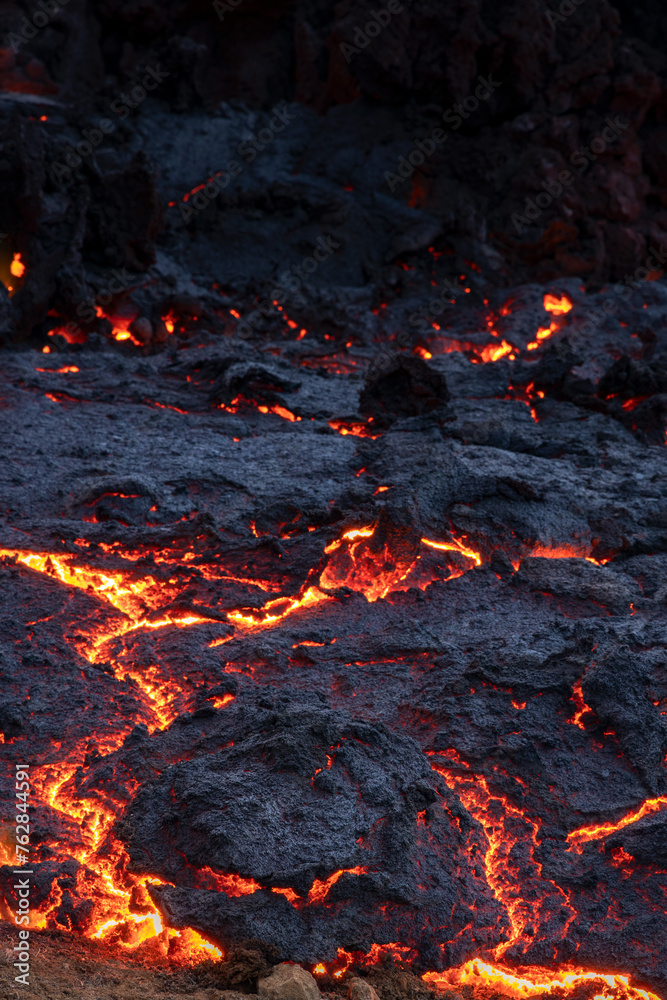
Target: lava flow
column 333, row 521
column 536, row 907
column 585, row 834
column 357, row 564
column 536, row 981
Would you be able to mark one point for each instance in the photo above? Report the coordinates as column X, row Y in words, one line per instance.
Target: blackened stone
column 306, row 795
column 406, row 387
column 615, row 689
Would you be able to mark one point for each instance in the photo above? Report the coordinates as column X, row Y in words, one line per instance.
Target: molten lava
column 532, row 903
column 534, row 981
column 122, row 912
column 354, row 563
column 558, row 307
column 596, row 832
column 16, row 267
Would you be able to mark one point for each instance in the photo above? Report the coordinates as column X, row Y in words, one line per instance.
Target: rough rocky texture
column 288, row 982
column 331, row 753
column 138, row 198
column 359, row 989
column 333, row 531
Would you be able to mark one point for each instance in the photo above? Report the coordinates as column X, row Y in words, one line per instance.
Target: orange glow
column 120, row 326
column 72, row 336
column 350, row 536
column 275, row 611
column 423, row 353
column 279, row 411
column 169, row 321
column 455, row 546
column 581, row 707
column 529, row 899
column 563, row 552
column 233, row 885
column 16, row 267
column 546, row 331
column 289, row 895
column 494, row 352
column 122, row 914
column 125, row 592
column 346, row 427
column 542, row 334
column 378, row 952
column 320, row 970
column 597, row 832
column 533, row 980
column 102, row 855
column 558, row 307
column 356, row 565
column 630, row 404
column 222, row 700
column 320, row 889
column 56, row 371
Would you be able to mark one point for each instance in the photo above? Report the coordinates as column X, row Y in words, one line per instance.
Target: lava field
column 333, row 518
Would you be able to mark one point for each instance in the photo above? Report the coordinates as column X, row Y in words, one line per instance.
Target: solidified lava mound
column 333, row 505
column 331, row 817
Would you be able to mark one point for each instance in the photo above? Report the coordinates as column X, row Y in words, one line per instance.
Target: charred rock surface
column 328, row 693
column 333, row 515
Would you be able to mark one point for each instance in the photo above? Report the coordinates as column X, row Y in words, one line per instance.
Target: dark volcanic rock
column 333, row 515
column 335, row 810
column 613, row 687
column 404, row 387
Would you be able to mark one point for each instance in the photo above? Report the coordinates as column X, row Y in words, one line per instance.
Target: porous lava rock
column 404, row 387
column 322, row 817
column 288, row 982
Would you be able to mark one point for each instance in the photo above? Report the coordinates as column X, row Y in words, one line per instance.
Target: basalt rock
column 404, row 387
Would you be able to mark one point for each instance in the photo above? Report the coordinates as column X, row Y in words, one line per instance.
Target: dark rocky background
column 353, row 118
column 187, row 436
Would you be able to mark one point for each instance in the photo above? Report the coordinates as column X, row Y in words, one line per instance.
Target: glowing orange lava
column 320, row 889
column 346, row 427
column 376, row 574
column 564, row 551
column 122, row 912
column 581, row 707
column 533, row 980
column 16, row 267
column 558, row 307
column 598, row 831
column 240, row 401
column 494, row 352
column 530, row 901
column 275, row 611
column 455, row 546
